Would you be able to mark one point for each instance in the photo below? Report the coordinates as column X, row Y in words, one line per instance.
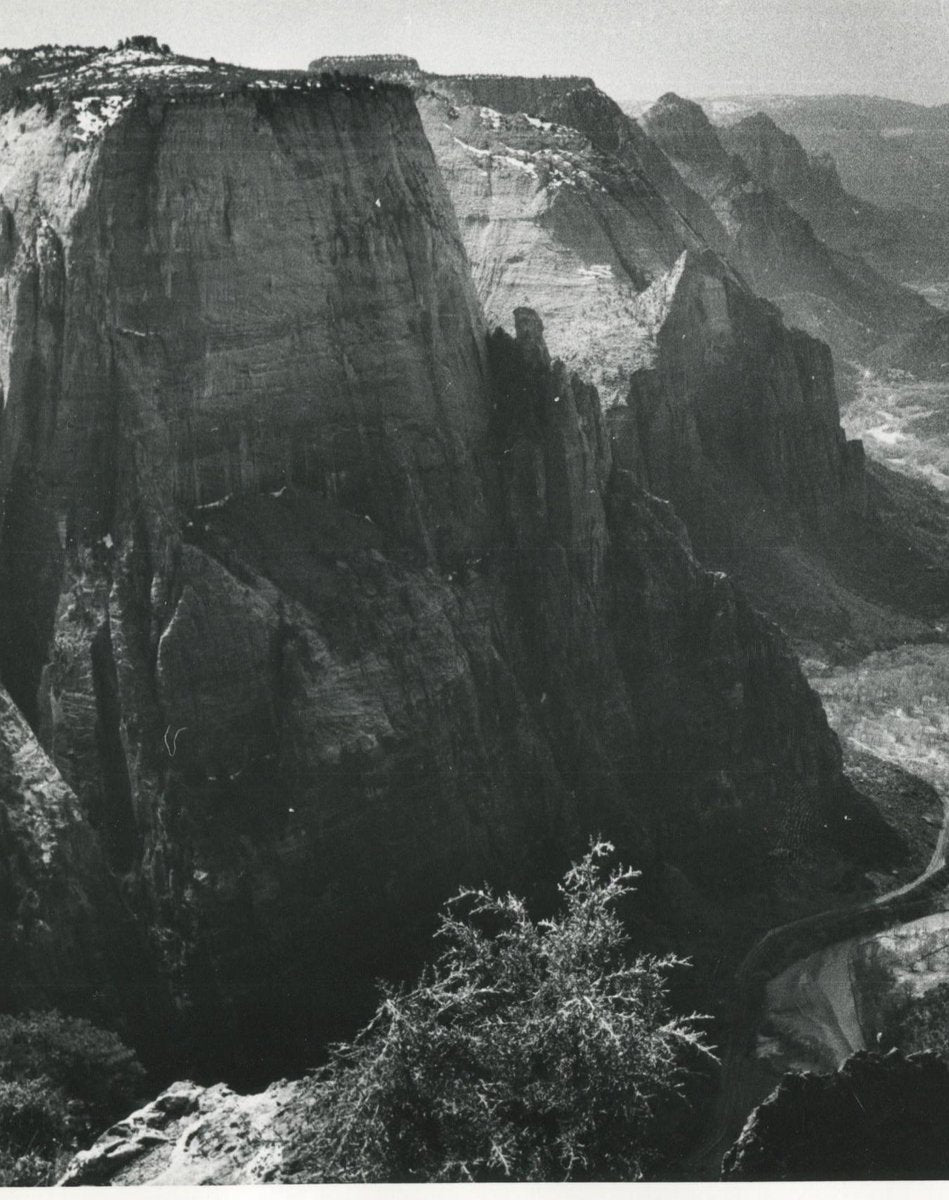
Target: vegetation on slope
column 903, row 422
column 530, row 1050
column 51, row 75
column 922, row 1023
column 62, row 1081
column 894, row 704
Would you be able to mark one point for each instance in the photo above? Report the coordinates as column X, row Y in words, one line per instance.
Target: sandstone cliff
column 712, row 402
column 322, row 602
column 67, row 933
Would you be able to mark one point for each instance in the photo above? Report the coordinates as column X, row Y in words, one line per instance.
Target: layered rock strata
column 324, row 604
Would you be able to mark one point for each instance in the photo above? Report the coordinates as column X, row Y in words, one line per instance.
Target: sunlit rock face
column 574, row 210
column 644, row 281
column 193, row 1136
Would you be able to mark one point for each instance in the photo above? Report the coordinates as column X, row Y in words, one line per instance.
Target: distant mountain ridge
column 890, row 152
column 907, row 245
column 833, row 296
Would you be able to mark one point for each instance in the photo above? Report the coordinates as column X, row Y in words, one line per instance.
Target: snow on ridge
column 475, row 150
column 520, row 163
column 118, row 58
column 95, row 113
column 163, row 68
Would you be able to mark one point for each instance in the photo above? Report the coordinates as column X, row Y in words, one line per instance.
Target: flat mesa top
column 138, row 65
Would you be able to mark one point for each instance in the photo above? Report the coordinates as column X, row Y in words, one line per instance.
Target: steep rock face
column 567, row 205
column 577, row 103
column 196, row 308
column 631, row 294
column 879, row 1117
column 727, row 386
column 166, row 342
column 779, row 161
column 323, row 604
column 571, row 101
column 66, row 932
column 550, row 222
column 720, row 408
column 833, row 297
column 660, row 632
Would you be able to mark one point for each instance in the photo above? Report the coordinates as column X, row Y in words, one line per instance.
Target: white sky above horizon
column 634, row 49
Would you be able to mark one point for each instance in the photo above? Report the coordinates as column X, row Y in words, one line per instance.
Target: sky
column 634, row 49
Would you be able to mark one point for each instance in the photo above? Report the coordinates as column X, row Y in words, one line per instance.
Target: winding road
column 743, row 1081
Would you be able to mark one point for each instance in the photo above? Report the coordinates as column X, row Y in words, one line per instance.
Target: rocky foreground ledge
column 191, row 1135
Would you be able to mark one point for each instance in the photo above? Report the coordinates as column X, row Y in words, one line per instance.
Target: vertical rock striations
column 321, row 602
column 67, row 934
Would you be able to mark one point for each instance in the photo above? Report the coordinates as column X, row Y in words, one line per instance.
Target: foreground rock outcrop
column 879, row 1117
column 191, row 1136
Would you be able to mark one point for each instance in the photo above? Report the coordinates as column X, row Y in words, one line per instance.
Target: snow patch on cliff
column 95, row 113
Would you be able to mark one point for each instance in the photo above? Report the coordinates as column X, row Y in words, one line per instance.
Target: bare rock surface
column 712, row 402
column 66, row 931
column 189, row 1136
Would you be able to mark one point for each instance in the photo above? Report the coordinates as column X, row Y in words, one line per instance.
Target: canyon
column 403, row 478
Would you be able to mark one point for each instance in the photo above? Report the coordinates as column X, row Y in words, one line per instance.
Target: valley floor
column 904, row 424
column 893, row 704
